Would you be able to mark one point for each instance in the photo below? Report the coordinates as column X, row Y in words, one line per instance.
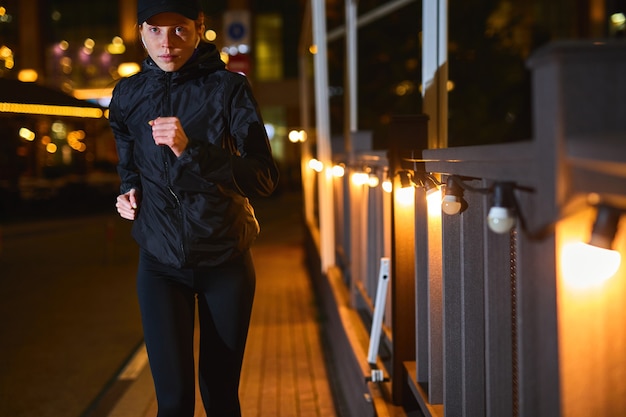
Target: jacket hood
column 206, row 58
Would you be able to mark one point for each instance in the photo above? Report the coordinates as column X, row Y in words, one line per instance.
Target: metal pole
column 435, row 70
column 351, row 73
column 367, row 18
column 379, row 311
column 324, row 149
column 305, row 111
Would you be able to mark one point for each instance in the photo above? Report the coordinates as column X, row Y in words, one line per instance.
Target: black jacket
column 194, row 209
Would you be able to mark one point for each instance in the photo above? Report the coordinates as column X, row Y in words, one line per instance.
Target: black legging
column 167, row 302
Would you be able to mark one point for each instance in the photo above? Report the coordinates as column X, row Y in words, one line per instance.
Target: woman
column 192, row 148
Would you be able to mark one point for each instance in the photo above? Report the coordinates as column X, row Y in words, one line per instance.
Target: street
column 69, row 318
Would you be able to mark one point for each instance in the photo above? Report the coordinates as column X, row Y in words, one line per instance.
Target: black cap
column 148, row 8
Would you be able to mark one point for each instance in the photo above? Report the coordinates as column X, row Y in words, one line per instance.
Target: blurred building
column 83, row 48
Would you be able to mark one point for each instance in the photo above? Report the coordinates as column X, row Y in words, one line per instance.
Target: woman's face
column 170, row 39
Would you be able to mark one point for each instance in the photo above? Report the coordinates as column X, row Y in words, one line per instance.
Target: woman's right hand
column 127, row 204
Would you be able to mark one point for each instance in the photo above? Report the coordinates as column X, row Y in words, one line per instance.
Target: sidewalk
column 284, row 373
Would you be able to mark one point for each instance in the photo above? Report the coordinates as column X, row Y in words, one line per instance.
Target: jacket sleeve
column 245, row 160
column 254, row 169
column 124, row 143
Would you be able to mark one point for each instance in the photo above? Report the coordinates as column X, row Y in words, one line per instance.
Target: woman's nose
column 167, row 39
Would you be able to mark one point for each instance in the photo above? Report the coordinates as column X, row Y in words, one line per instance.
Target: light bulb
column 387, row 186
column 586, row 266
column 500, row 219
column 338, row 171
column 405, row 196
column 316, row 165
column 451, row 204
column 360, row 178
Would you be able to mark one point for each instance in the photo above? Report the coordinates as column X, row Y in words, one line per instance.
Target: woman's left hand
column 168, row 131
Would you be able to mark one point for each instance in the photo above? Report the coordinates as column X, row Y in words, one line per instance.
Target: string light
column 501, row 218
column 451, row 203
column 588, row 264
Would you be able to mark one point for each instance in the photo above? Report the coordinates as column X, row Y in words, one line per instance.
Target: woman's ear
column 200, row 33
column 200, row 27
column 143, row 42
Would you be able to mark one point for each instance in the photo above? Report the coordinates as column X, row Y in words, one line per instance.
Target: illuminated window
column 269, row 48
column 275, row 121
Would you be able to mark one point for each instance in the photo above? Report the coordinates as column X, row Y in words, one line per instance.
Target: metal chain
column 515, row 368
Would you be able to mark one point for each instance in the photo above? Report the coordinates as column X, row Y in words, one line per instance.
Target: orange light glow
column 434, row 203
column 28, row 75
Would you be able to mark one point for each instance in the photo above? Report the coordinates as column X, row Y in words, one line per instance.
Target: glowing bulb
column 294, row 136
column 585, row 265
column 451, row 205
column 316, row 165
column 373, row 181
column 387, row 186
column 433, row 203
column 405, row 196
column 338, row 171
column 360, row 178
column 500, row 220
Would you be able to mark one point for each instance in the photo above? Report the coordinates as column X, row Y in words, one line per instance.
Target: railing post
column 579, row 97
column 407, row 137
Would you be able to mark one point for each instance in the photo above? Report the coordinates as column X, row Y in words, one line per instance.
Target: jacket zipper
column 168, row 97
